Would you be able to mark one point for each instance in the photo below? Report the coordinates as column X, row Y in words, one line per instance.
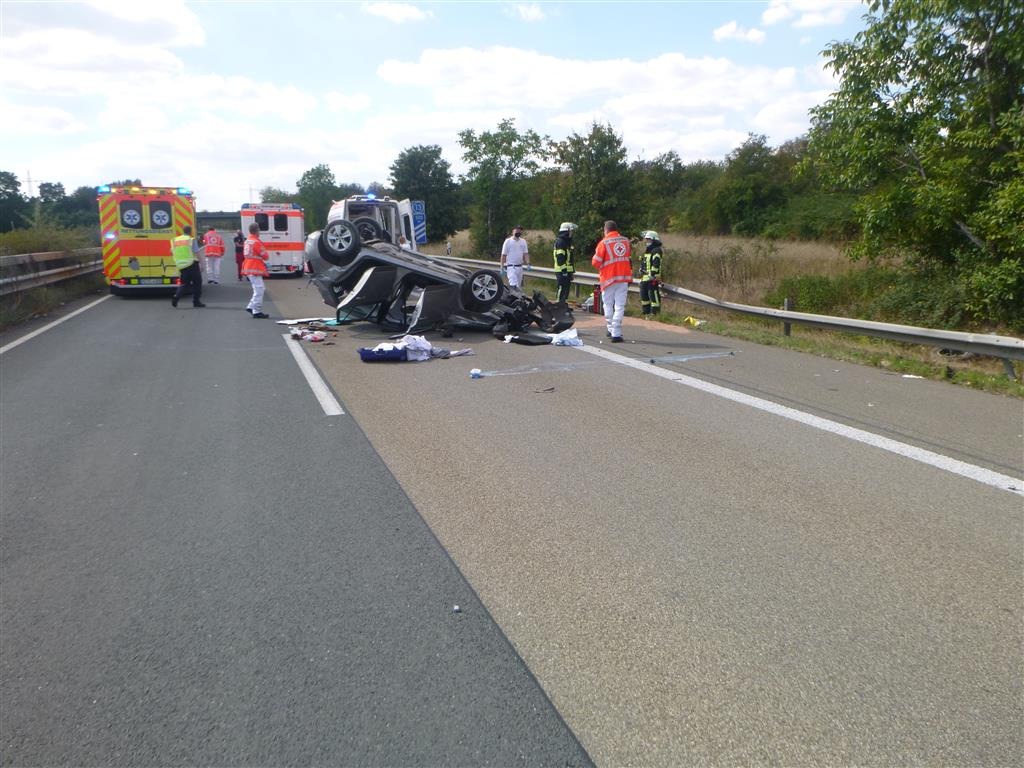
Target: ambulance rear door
column 137, row 225
column 283, row 231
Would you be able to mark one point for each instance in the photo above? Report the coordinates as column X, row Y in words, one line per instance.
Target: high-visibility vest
column 611, row 259
column 181, row 251
column 255, row 262
column 214, row 244
column 650, row 263
column 563, row 255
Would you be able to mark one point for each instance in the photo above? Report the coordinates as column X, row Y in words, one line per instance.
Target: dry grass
column 733, row 269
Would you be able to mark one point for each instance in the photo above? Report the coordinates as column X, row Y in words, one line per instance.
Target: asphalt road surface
column 704, row 552
column 199, row 568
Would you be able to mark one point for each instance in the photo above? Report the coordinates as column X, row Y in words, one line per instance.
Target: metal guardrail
column 1004, row 347
column 23, row 271
column 20, row 272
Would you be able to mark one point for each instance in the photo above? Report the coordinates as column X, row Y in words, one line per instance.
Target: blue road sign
column 419, row 221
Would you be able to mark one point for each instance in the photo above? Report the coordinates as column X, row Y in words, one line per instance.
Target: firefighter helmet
column 649, row 234
column 567, row 226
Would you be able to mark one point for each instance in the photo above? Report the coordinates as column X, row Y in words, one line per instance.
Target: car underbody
column 379, row 282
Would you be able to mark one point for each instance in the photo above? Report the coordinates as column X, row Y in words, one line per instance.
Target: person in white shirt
column 515, row 257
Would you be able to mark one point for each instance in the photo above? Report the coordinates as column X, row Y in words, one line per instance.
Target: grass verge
column 986, row 374
column 36, row 302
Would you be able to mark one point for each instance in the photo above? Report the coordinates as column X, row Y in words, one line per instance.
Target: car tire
column 483, row 289
column 339, row 242
column 368, row 228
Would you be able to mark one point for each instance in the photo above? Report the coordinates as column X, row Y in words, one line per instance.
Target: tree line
column 916, row 161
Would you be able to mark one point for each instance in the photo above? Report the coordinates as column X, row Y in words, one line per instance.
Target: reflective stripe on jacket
column 611, row 260
column 563, row 255
column 650, row 263
column 214, row 244
column 181, row 251
column 255, row 257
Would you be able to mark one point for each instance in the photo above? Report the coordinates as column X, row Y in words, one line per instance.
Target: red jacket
column 255, row 257
column 214, row 244
column 611, row 260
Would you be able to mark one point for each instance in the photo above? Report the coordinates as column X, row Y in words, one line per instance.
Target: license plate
column 151, row 281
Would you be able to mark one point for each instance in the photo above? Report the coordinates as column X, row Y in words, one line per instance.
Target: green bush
column 47, row 237
column 853, row 293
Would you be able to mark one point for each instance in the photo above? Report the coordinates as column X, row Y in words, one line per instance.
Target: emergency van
column 282, row 230
column 137, row 225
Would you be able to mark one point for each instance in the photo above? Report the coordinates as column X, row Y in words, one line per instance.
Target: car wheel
column 339, row 242
column 483, row 289
column 368, row 228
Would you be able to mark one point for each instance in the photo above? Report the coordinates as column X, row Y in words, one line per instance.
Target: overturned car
column 377, row 281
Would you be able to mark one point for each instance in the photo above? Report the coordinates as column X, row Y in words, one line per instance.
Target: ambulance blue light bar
column 103, row 189
column 184, row 191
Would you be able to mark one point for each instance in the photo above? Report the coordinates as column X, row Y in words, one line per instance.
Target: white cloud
column 65, row 61
column 733, row 31
column 24, row 120
column 337, row 102
column 529, row 12
column 170, row 21
column 810, row 13
column 399, row 13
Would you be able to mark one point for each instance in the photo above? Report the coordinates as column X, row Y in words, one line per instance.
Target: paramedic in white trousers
column 214, row 251
column 515, row 256
column 255, row 266
column 611, row 260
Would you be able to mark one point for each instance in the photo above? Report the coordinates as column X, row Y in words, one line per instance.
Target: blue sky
column 228, row 97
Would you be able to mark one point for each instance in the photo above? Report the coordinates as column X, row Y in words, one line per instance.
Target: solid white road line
column 316, row 383
column 980, row 474
column 48, row 326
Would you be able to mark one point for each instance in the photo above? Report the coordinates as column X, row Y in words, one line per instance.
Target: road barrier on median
column 1006, row 348
column 23, row 271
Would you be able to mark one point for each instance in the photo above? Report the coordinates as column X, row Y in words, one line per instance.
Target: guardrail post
column 787, row 304
column 1008, row 367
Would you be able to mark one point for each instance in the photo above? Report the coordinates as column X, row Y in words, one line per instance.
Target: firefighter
column 214, row 250
column 565, row 259
column 255, row 267
column 185, row 253
column 650, row 274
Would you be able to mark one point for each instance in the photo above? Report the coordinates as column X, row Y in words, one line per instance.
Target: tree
column 928, row 128
column 599, row 185
column 420, row 173
column 656, row 183
column 749, row 192
column 317, row 189
column 275, row 195
column 13, row 205
column 497, row 160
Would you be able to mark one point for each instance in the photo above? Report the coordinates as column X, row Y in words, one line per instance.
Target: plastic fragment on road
column 303, row 320
column 911, row 376
column 693, row 321
column 567, row 338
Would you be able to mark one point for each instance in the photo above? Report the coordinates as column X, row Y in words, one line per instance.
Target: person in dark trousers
column 239, row 252
column 650, row 274
column 185, row 252
column 565, row 259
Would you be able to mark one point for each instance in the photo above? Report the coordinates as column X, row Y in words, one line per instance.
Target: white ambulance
column 282, row 230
